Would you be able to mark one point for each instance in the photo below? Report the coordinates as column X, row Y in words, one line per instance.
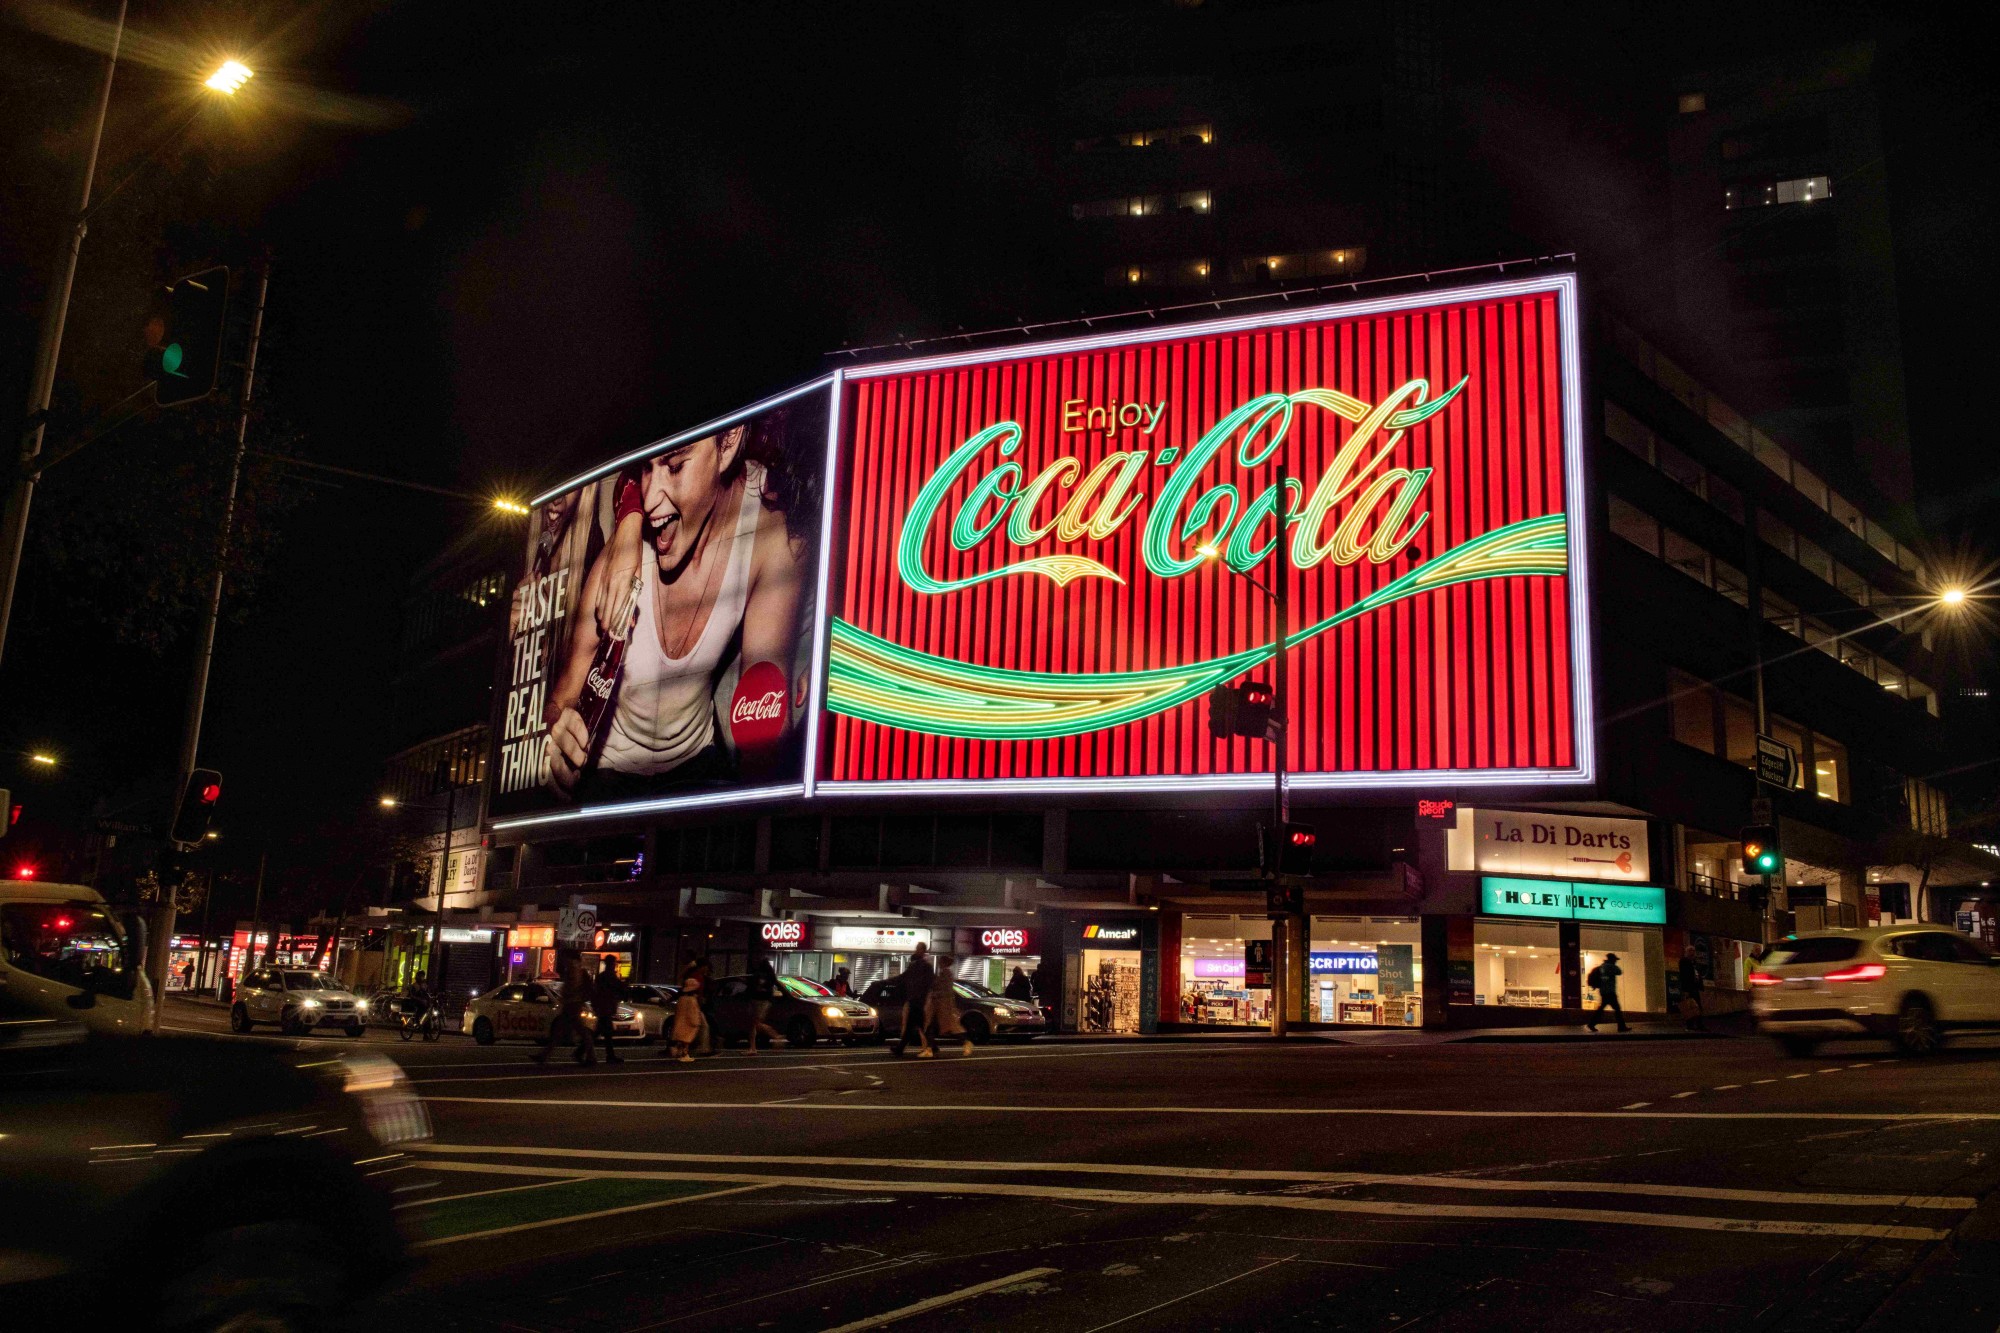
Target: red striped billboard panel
column 1045, row 558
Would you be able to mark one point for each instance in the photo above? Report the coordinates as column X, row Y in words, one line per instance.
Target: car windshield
column 802, row 988
column 1812, row 949
column 309, row 981
column 974, row 990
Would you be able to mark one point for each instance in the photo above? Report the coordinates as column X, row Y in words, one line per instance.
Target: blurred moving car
column 805, row 1011
column 297, row 1000
column 192, row 1183
column 655, row 1007
column 1911, row 984
column 524, row 1011
column 985, row 1014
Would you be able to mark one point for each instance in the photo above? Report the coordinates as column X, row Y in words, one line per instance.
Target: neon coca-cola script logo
column 783, row 934
column 758, row 709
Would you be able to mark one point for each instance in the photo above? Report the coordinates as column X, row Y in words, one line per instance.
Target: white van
column 64, row 956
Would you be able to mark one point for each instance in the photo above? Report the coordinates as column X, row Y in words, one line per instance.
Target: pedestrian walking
column 917, row 979
column 688, row 1021
column 941, row 1010
column 840, row 985
column 607, row 992
column 1604, row 980
column 569, row 1025
column 1691, row 986
column 1019, row 987
column 763, row 990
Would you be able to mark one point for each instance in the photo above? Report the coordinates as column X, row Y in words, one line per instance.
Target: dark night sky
column 508, row 242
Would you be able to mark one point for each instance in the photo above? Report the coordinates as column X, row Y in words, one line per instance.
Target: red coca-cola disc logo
column 757, row 712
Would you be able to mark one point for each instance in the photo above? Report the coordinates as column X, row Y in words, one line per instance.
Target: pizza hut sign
column 783, row 934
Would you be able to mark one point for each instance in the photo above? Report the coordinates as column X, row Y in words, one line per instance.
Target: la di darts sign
column 1050, row 555
column 1021, row 570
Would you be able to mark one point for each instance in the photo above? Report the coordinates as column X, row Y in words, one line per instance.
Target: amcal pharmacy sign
column 1049, row 552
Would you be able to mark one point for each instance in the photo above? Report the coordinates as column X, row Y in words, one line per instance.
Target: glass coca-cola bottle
column 607, row 664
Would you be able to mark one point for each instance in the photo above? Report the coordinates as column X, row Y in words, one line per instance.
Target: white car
column 298, row 1000
column 1911, row 984
column 655, row 1007
column 524, row 1011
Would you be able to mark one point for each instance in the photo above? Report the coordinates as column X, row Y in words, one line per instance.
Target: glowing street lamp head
column 45, row 760
column 507, row 506
column 233, row 75
column 388, row 803
column 1952, row 596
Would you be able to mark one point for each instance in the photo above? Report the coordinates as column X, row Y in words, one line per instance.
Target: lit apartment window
column 1125, row 206
column 1770, row 193
column 1171, row 136
column 1803, row 190
column 1194, row 201
column 1692, row 104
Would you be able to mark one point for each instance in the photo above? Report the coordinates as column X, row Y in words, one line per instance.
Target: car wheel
column 356, row 1029
column 1797, row 1047
column 799, row 1032
column 1916, row 1028
column 977, row 1030
column 290, row 1025
column 482, row 1031
column 239, row 1018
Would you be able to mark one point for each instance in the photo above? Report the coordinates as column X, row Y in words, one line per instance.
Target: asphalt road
column 1229, row 1185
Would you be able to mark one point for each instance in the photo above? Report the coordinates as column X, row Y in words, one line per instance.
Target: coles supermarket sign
column 1033, row 563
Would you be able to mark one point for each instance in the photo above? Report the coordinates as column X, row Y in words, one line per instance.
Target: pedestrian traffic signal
column 1285, row 900
column 1288, row 849
column 1761, row 853
column 197, row 807
column 1241, row 710
column 184, row 337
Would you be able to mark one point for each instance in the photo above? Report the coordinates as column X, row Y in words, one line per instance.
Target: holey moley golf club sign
column 1023, row 569
column 1049, row 552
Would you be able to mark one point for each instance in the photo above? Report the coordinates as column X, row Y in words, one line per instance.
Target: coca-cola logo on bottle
column 758, row 710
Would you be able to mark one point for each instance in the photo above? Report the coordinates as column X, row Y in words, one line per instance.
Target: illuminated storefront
column 1365, row 970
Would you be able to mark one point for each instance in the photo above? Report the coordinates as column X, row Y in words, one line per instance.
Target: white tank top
column 665, row 714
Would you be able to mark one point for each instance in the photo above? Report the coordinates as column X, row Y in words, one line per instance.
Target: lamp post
column 1287, row 930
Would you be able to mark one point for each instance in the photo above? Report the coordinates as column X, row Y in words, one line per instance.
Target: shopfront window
column 1365, row 970
column 1640, row 960
column 1517, row 964
column 1215, row 973
column 1110, row 977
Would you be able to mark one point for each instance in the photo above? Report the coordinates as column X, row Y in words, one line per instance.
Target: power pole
column 14, row 525
column 205, row 650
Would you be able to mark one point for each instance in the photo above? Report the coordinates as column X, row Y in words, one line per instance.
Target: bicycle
column 414, row 1017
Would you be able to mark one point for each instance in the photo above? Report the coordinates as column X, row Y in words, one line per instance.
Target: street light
column 1952, row 596
column 45, row 760
column 388, row 803
column 507, row 506
column 232, row 76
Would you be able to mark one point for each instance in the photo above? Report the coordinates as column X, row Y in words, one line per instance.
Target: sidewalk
column 1721, row 1028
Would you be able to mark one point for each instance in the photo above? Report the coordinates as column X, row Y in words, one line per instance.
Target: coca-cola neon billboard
column 1029, row 566
column 1050, row 554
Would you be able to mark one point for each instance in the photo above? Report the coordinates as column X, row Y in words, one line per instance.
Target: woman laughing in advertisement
column 724, row 604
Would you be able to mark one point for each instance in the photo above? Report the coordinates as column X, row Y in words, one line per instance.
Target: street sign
column 576, row 926
column 1760, row 810
column 122, row 826
column 1776, row 764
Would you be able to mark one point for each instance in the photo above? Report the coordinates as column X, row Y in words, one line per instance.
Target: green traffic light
column 170, row 360
column 1767, row 862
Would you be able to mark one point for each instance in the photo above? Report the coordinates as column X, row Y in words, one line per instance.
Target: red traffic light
column 24, row 871
column 1303, row 837
column 211, row 793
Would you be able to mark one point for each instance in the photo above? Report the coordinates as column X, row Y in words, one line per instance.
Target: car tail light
column 1765, row 979
column 1863, row 972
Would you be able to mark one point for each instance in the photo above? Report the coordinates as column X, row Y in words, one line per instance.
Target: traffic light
column 197, row 807
column 1241, row 710
column 1285, row 900
column 1761, row 853
column 184, row 337
column 1288, row 849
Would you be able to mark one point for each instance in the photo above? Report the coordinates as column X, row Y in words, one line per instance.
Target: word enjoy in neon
column 1343, row 519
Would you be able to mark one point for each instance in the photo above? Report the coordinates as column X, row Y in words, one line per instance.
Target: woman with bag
column 941, row 1010
column 687, row 1018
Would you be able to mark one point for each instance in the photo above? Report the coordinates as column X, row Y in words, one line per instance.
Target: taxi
column 524, row 1011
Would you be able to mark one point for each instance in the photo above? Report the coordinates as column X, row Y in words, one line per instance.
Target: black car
column 192, row 1184
column 985, row 1014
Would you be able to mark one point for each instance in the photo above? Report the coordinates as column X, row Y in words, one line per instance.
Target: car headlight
column 361, row 1006
column 834, row 1011
column 308, row 1004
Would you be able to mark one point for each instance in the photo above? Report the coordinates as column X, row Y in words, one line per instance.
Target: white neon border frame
column 1582, row 689
column 701, row 800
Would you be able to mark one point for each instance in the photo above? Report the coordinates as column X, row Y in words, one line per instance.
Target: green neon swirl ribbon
column 873, row 679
